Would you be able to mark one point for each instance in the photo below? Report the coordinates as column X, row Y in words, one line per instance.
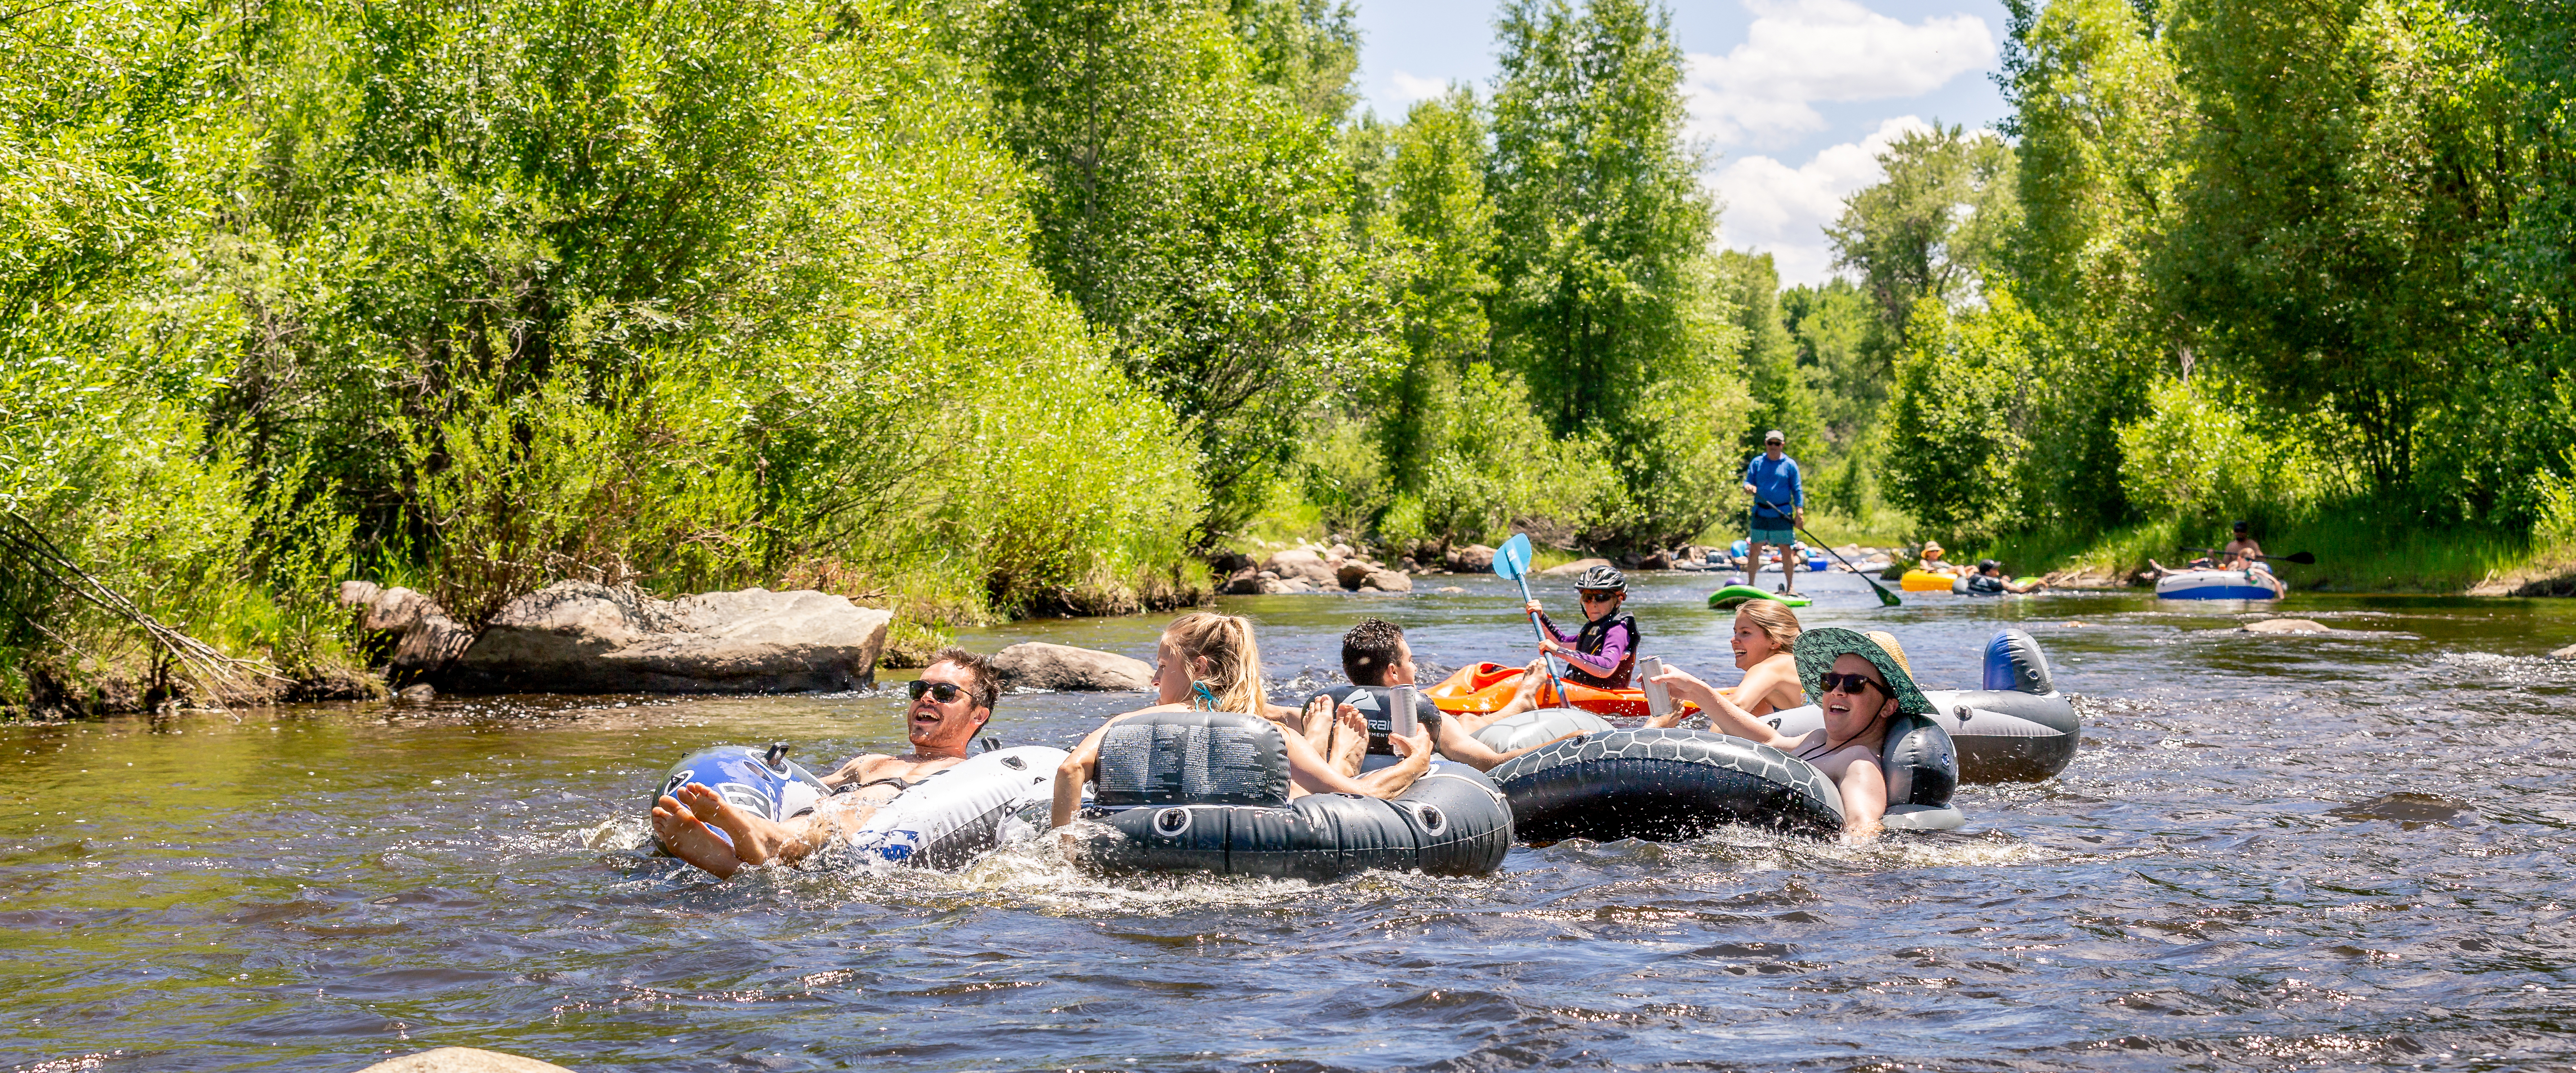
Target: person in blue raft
column 1779, row 507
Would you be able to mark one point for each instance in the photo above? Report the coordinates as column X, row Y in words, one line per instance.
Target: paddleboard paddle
column 1885, row 598
column 1512, row 561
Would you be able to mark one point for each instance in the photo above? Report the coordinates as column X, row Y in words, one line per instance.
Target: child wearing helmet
column 1603, row 653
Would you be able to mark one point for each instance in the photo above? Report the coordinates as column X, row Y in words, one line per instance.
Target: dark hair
column 987, row 687
column 1369, row 649
column 2241, row 527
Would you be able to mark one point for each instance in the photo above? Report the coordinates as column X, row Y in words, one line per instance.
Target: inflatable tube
column 957, row 813
column 2016, row 729
column 1208, row 792
column 1727, row 598
column 1663, row 785
column 944, row 820
column 1487, row 687
column 2220, row 585
column 1921, row 581
column 1540, row 726
column 759, row 781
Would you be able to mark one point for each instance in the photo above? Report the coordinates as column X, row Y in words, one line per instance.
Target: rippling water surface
column 2314, row 852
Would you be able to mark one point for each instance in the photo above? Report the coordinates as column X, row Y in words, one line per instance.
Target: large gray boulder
column 1039, row 665
column 1386, row 581
column 1472, row 559
column 463, row 1060
column 1576, row 567
column 578, row 637
column 1303, row 564
column 2568, row 652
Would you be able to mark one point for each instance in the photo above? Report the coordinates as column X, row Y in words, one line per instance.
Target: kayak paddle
column 2305, row 558
column 1885, row 598
column 1512, row 561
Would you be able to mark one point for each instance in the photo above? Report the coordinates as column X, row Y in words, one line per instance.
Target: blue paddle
column 1512, row 562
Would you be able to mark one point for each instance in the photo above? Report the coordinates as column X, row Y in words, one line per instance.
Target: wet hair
column 987, row 687
column 1369, row 649
column 1775, row 619
column 1225, row 642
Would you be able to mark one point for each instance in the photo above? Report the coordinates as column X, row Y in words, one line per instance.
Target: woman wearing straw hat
column 1861, row 681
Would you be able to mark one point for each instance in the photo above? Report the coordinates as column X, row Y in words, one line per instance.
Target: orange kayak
column 1485, row 687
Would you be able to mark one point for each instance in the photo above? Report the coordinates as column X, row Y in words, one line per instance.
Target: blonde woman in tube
column 1764, row 631
column 1208, row 660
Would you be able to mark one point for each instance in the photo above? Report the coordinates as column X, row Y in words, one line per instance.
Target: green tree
column 1607, row 303
column 2354, row 156
column 1781, row 396
column 1197, row 215
column 1957, row 415
column 1933, row 226
column 1833, row 326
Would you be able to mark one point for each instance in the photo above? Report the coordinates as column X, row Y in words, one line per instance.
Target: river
column 2273, row 852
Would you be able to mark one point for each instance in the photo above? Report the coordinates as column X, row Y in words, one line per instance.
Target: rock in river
column 1576, row 567
column 2286, row 625
column 2568, row 652
column 1038, row 665
column 463, row 1060
column 578, row 637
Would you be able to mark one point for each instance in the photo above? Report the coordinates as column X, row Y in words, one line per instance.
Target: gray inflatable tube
column 1207, row 792
column 2018, row 728
column 942, row 821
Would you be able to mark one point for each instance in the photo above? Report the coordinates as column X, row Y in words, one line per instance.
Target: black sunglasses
column 1600, row 596
column 1848, row 683
column 943, row 692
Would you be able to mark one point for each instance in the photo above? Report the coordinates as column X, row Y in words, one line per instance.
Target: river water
column 2274, row 852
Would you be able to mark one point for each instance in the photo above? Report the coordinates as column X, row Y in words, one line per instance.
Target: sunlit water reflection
column 2345, row 850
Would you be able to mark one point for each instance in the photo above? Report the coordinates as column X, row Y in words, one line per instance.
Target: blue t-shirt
column 1774, row 482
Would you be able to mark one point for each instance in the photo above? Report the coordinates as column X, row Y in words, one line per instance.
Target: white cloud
column 1801, row 51
column 1776, row 209
column 1409, row 88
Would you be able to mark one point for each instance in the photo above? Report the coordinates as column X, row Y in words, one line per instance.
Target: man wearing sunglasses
column 950, row 704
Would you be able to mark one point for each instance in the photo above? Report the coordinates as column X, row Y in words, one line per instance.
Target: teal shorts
column 1761, row 535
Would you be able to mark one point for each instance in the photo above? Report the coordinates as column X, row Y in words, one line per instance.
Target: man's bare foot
column 755, row 840
column 689, row 839
column 1350, row 741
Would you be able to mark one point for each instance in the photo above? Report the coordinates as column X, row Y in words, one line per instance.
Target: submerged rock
column 463, row 1060
column 579, row 637
column 1065, row 668
column 2286, row 625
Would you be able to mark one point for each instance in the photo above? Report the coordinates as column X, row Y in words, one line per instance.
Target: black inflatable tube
column 1664, row 785
column 1451, row 822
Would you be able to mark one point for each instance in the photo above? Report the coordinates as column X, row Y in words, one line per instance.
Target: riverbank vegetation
column 997, row 307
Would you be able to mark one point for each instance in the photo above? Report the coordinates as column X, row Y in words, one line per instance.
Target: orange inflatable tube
column 1485, row 687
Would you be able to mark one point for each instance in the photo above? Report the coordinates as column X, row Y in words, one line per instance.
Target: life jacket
column 1595, row 634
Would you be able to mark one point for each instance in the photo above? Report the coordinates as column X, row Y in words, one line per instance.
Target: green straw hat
column 1816, row 650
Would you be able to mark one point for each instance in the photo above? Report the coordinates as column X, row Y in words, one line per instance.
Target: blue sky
column 1796, row 96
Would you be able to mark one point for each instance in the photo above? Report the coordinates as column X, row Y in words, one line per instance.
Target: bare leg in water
column 1524, row 699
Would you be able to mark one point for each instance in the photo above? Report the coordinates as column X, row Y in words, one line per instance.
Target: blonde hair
column 1233, row 670
column 1776, row 620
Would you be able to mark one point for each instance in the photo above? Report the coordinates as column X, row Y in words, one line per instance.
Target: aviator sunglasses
column 943, row 692
column 1848, row 683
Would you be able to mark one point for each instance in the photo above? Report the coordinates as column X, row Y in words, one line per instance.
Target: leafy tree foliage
column 1607, row 301
column 1198, row 215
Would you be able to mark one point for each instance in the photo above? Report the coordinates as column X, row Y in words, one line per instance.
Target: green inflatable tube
column 1728, row 597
